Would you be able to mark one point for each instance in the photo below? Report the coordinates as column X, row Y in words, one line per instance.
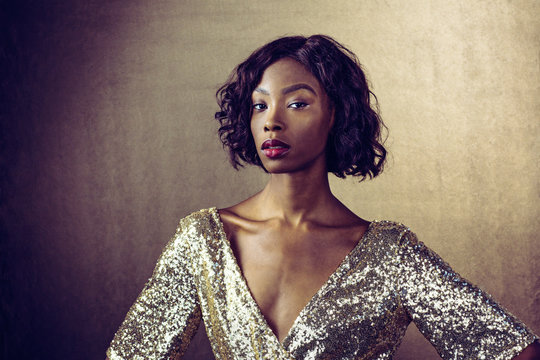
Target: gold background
column 110, row 139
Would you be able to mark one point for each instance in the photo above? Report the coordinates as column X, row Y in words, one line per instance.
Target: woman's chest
column 284, row 270
column 355, row 306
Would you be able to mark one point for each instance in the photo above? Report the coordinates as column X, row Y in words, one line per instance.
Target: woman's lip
column 274, row 143
column 275, row 153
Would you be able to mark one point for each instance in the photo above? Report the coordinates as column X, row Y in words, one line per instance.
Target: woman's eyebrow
column 288, row 89
column 261, row 90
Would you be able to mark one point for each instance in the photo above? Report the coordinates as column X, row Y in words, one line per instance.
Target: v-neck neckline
column 332, row 279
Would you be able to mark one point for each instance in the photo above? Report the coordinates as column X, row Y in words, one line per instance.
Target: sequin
column 388, row 280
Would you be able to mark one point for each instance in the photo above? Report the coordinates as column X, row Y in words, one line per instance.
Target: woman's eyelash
column 294, row 105
column 259, row 106
column 297, row 104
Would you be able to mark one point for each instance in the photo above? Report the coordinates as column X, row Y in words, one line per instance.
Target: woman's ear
column 332, row 116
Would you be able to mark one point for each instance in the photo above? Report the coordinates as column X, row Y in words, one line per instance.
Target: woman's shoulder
column 393, row 233
column 199, row 215
column 200, row 229
column 199, row 221
column 390, row 227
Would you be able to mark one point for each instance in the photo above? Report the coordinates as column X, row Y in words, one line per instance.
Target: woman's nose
column 271, row 126
column 273, row 123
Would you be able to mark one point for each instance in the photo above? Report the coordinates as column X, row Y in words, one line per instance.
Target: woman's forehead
column 287, row 74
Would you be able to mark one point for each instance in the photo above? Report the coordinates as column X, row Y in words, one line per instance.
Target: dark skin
column 290, row 237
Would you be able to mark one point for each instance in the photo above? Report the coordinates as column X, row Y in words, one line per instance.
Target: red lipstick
column 274, row 148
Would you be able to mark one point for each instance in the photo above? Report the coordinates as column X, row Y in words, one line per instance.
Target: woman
column 291, row 273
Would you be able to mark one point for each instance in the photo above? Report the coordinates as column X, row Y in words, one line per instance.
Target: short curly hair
column 355, row 144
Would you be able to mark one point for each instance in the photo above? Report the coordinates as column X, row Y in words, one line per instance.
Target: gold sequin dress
column 388, row 280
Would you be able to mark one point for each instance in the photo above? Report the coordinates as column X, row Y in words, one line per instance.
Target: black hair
column 355, row 145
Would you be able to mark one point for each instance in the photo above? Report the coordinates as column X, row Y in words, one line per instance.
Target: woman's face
column 291, row 118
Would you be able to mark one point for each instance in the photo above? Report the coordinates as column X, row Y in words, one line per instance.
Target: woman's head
column 354, row 145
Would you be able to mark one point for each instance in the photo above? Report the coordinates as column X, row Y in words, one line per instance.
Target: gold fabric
column 361, row 312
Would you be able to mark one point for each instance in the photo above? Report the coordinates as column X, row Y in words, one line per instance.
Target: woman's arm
column 165, row 316
column 531, row 352
column 459, row 319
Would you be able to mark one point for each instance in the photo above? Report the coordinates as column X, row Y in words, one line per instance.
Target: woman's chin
column 282, row 168
column 278, row 167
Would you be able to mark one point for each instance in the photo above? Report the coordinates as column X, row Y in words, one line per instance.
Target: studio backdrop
column 109, row 139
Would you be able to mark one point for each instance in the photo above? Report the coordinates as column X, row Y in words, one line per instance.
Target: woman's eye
column 297, row 105
column 259, row 106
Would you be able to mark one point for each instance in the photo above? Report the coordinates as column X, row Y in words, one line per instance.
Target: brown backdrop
column 108, row 139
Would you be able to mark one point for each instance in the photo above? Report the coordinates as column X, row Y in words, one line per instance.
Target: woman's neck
column 296, row 197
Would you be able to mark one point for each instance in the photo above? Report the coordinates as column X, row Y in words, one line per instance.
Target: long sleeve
column 460, row 320
column 165, row 316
